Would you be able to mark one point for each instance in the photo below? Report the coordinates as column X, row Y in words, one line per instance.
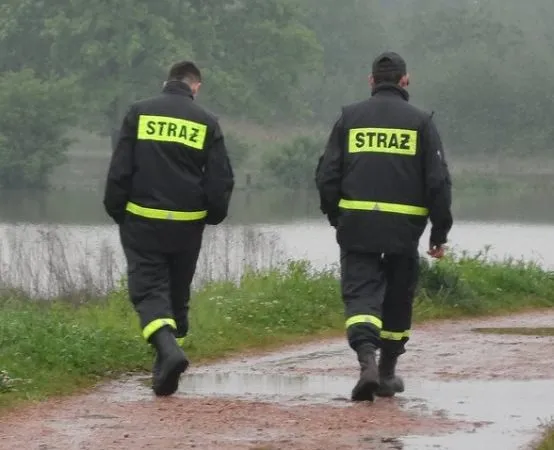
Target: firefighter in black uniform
column 382, row 175
column 169, row 176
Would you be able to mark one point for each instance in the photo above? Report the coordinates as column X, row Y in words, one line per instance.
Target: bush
column 475, row 284
column 293, row 165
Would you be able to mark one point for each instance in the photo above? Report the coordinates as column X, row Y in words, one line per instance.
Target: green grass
column 548, row 442
column 519, row 331
column 50, row 348
column 475, row 286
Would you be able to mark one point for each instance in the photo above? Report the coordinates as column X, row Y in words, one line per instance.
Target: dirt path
column 464, row 390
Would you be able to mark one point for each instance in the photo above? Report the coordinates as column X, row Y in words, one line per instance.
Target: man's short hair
column 185, row 71
column 388, row 67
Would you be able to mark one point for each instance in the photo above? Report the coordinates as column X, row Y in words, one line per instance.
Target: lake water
column 56, row 242
column 53, row 259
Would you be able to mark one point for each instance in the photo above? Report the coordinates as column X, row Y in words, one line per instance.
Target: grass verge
column 548, row 441
column 50, row 348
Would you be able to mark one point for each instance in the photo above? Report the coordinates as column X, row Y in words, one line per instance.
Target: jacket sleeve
column 328, row 175
column 218, row 179
column 438, row 184
column 121, row 169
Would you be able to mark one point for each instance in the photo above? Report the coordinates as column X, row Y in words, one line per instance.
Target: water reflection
column 532, row 205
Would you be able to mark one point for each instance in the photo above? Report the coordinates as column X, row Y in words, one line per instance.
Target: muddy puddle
column 508, row 413
column 502, row 384
column 503, row 415
column 464, row 390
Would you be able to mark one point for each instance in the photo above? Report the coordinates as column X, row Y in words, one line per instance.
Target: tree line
column 486, row 69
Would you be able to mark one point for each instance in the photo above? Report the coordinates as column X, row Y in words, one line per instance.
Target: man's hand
column 436, row 251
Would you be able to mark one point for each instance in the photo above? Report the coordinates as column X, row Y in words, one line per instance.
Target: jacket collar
column 178, row 88
column 390, row 89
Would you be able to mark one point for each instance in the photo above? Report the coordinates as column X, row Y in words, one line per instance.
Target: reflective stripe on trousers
column 394, row 335
column 164, row 214
column 364, row 318
column 155, row 325
column 378, row 323
column 395, row 208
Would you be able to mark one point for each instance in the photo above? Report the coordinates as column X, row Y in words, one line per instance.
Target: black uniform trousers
column 159, row 286
column 378, row 292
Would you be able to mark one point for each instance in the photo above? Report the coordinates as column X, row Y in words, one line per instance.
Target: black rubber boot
column 182, row 328
column 369, row 376
column 170, row 362
column 156, row 366
column 389, row 383
column 155, row 369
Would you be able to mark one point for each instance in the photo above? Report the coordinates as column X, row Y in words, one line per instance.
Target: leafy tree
column 485, row 67
column 119, row 51
column 254, row 54
column 351, row 36
column 470, row 62
column 34, row 116
column 293, row 164
column 21, row 42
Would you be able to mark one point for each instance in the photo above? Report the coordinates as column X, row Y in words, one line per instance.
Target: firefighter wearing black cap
column 169, row 176
column 382, row 176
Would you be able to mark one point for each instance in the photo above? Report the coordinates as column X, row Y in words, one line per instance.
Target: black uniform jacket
column 383, row 174
column 169, row 174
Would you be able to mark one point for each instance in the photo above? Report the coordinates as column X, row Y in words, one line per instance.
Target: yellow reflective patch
column 395, row 335
column 384, row 207
column 382, row 140
column 364, row 318
column 164, row 214
column 171, row 129
column 155, row 325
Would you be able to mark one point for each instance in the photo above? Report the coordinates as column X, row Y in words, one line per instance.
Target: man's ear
column 405, row 80
column 196, row 88
column 371, row 81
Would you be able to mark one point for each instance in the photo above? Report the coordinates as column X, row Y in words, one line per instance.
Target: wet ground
column 463, row 390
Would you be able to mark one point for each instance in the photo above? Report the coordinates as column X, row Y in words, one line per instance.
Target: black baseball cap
column 389, row 62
